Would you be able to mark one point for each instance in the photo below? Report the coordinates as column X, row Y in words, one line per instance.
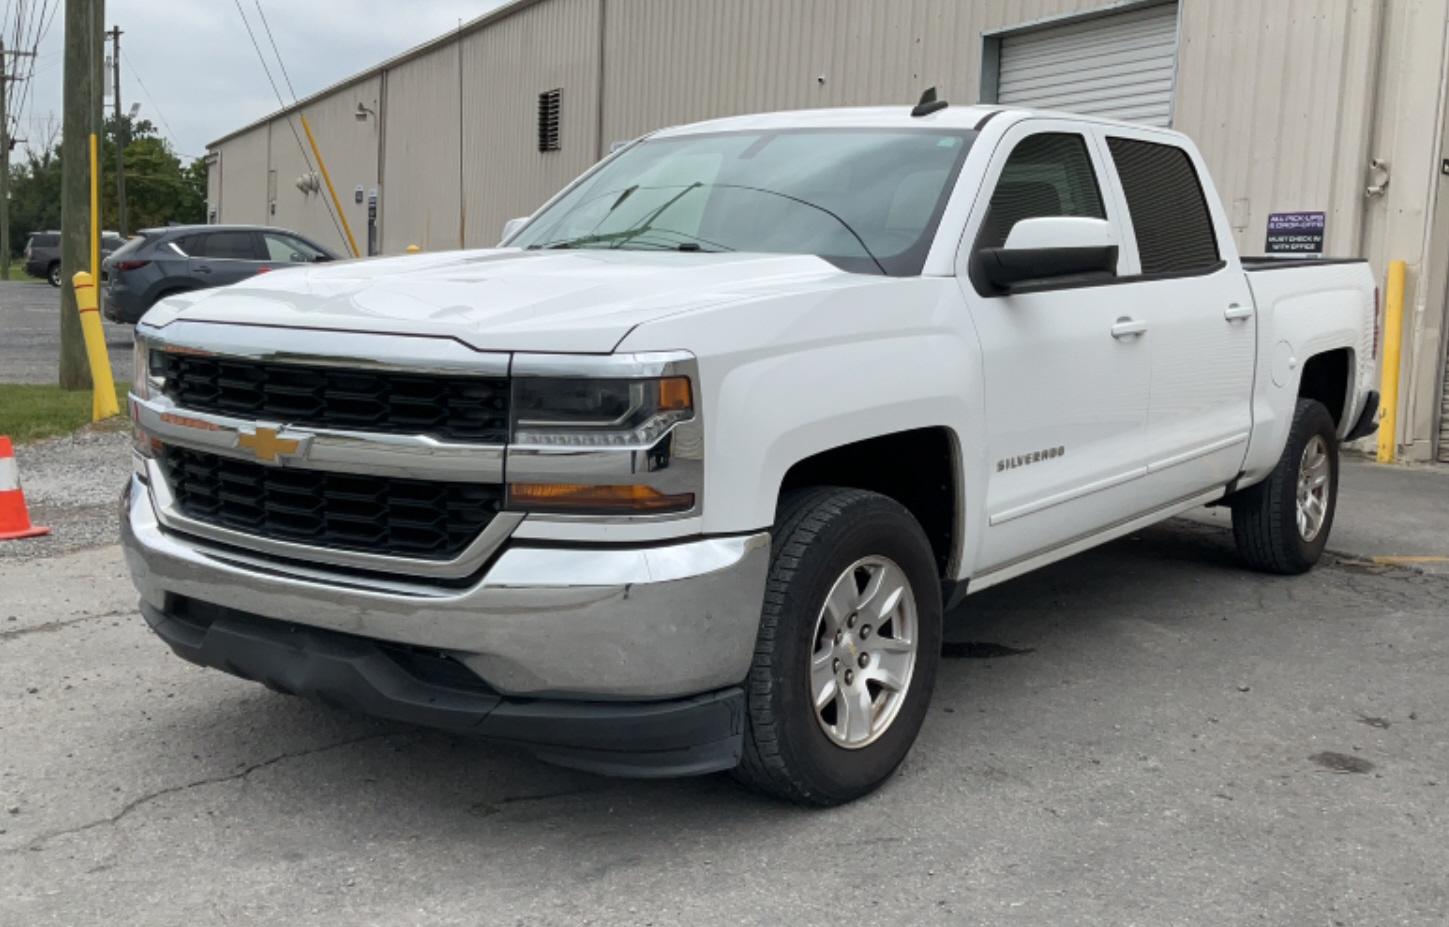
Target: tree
column 159, row 188
column 34, row 196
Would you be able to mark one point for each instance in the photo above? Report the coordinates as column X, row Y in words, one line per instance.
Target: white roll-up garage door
column 1119, row 65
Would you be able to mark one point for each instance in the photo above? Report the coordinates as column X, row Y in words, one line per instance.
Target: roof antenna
column 929, row 104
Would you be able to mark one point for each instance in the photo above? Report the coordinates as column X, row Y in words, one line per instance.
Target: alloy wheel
column 864, row 652
column 1313, row 488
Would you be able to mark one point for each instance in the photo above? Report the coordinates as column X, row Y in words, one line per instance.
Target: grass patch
column 17, row 272
column 29, row 412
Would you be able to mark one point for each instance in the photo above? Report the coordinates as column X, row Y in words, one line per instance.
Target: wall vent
column 549, row 103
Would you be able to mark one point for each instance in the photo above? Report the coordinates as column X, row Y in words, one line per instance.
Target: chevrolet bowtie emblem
column 268, row 447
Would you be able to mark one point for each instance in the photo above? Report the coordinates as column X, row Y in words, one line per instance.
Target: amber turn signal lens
column 674, row 395
column 584, row 499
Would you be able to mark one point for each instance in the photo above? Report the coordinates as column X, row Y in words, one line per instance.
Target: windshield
column 867, row 200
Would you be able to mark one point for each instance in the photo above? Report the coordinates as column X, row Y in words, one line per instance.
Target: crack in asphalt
column 51, row 626
column 38, row 842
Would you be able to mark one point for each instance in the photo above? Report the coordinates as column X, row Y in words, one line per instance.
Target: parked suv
column 42, row 253
column 157, row 263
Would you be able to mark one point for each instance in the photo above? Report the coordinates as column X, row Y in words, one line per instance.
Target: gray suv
column 42, row 253
column 156, row 263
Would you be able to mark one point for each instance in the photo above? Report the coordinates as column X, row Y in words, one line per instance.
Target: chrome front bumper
column 589, row 623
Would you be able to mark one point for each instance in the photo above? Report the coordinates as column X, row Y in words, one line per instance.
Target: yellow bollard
column 103, row 399
column 1389, row 375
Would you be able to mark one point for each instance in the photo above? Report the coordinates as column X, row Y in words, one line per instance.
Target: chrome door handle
column 1127, row 327
column 1236, row 312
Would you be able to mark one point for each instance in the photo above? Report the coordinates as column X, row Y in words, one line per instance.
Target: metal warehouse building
column 1300, row 106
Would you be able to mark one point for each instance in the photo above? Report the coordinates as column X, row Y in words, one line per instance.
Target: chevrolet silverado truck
column 682, row 477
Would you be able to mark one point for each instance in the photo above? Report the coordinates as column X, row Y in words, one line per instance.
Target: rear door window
column 1048, row 174
column 234, row 246
column 1170, row 215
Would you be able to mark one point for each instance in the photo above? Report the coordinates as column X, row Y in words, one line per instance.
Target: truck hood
column 582, row 301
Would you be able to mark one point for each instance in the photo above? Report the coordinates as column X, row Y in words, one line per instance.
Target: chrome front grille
column 450, row 407
column 422, row 519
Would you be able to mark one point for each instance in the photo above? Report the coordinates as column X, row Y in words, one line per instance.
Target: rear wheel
column 52, row 273
column 1281, row 525
column 849, row 641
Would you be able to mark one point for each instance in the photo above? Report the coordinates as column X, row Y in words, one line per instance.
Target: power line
column 280, row 63
column 170, row 135
column 283, row 103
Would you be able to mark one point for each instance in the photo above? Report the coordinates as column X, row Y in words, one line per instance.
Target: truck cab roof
column 974, row 116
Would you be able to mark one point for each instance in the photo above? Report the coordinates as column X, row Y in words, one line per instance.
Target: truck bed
column 1254, row 264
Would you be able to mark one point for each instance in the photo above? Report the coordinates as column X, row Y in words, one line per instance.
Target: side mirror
column 513, row 227
column 1049, row 249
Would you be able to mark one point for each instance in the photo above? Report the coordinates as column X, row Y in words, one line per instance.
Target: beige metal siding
column 673, row 61
column 244, row 177
column 421, row 194
column 350, row 148
column 1119, row 66
column 1276, row 96
column 213, row 184
column 553, row 45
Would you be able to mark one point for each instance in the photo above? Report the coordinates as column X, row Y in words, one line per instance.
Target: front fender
column 789, row 376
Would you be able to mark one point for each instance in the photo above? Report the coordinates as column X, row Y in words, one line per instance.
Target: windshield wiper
column 624, row 235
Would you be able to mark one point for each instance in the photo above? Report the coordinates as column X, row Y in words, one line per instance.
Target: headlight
column 141, row 369
column 578, row 412
column 605, row 436
column 144, row 385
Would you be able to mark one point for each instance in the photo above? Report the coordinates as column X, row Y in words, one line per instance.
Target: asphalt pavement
column 1145, row 734
column 30, row 335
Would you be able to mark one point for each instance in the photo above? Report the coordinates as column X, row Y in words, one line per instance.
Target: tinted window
column 1169, row 212
column 239, row 246
column 288, row 250
column 1045, row 175
column 44, row 241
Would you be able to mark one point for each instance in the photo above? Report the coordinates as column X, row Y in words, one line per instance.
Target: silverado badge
column 1011, row 463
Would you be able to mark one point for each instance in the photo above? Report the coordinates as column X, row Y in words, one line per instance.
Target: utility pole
column 84, row 43
column 123, row 131
column 4, row 165
column 5, row 143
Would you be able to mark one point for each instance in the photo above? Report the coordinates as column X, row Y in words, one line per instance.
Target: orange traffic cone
column 14, row 519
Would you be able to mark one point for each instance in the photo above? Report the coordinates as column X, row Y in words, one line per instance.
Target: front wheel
column 52, row 274
column 849, row 642
column 1281, row 525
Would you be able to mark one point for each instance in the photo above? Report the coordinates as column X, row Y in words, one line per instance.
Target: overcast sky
column 203, row 76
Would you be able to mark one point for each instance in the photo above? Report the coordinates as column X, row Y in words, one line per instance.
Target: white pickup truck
column 682, row 477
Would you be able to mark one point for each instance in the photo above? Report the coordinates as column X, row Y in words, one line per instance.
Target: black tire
column 1265, row 516
column 52, row 274
column 819, row 533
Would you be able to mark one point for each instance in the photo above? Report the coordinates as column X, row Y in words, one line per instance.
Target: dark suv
column 156, row 263
column 42, row 253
